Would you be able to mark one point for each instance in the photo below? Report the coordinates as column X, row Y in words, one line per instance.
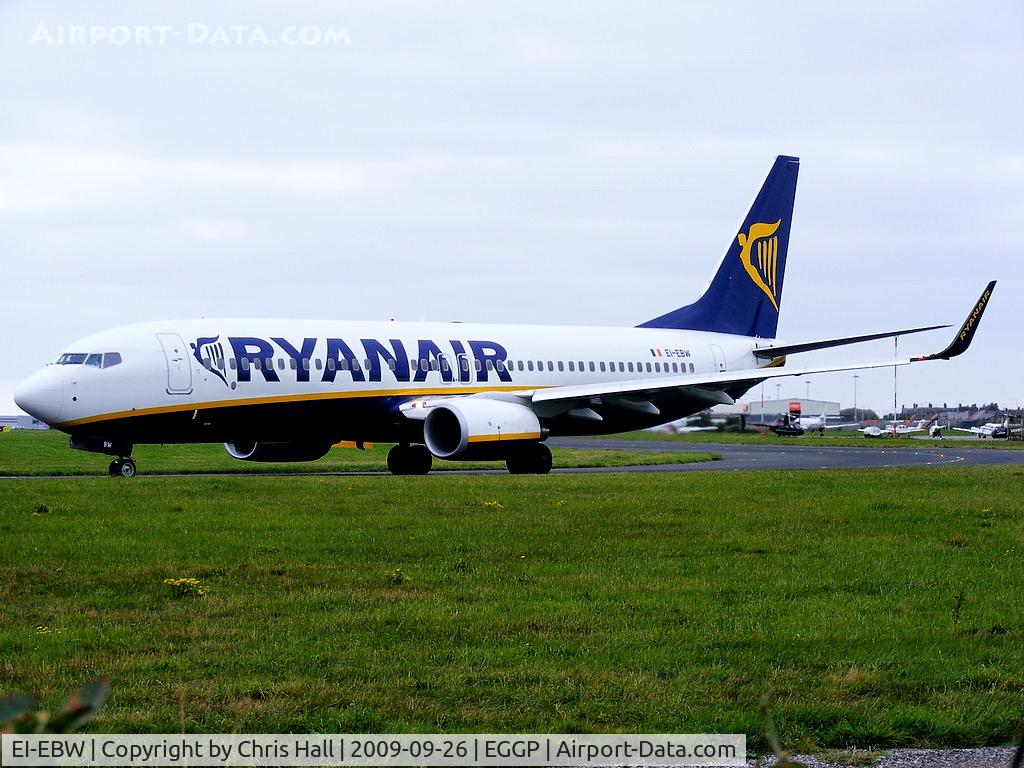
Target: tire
column 128, row 468
column 399, row 460
column 517, row 464
column 532, row 460
column 541, row 460
column 419, row 460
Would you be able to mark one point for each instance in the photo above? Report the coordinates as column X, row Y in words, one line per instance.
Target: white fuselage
column 216, row 372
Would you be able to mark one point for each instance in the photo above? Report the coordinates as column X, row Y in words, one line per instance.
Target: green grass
column 44, row 453
column 833, row 439
column 876, row 608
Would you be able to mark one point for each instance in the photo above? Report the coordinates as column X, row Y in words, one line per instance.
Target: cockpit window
column 111, row 358
column 95, row 359
column 72, row 358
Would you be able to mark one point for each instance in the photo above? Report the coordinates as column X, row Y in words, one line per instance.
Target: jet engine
column 252, row 450
column 480, row 428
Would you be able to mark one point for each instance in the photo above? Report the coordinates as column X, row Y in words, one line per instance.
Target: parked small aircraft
column 992, row 429
column 794, row 426
column 900, row 429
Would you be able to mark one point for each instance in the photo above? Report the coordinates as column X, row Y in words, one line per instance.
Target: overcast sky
column 569, row 163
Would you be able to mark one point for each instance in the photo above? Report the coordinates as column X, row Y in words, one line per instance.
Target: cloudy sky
column 569, row 163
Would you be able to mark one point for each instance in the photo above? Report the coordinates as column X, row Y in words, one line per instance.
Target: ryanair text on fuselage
column 452, row 361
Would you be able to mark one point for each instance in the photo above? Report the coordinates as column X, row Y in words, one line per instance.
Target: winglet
column 965, row 336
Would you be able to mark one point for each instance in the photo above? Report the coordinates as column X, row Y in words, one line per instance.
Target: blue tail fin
column 745, row 295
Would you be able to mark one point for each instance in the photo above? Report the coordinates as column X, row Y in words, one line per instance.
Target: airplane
column 287, row 390
column 899, row 429
column 681, row 427
column 794, row 426
column 993, row 429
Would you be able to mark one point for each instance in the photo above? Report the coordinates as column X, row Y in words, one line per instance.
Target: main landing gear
column 409, row 460
column 122, row 468
column 530, row 460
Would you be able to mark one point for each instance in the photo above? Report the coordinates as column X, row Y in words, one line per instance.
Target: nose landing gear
column 124, row 467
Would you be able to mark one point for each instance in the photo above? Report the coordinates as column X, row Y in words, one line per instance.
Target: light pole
column 855, row 377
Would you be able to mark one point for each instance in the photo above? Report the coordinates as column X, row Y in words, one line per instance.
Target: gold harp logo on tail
column 762, row 262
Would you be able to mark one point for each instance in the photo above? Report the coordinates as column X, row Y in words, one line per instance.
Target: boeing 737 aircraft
column 286, row 390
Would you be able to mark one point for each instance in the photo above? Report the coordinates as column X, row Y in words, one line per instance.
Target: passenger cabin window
column 648, row 367
column 519, row 365
column 529, row 364
column 602, row 367
column 592, row 366
column 319, row 364
column 561, row 366
column 630, row 367
column 572, row 366
column 232, row 364
column 331, row 363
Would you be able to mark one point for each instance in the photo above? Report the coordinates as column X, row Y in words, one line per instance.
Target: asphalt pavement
column 783, row 456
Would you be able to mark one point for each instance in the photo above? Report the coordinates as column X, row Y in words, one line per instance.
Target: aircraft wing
column 643, row 395
column 842, row 426
column 712, row 388
column 778, row 350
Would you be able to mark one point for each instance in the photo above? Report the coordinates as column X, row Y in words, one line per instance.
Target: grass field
column 47, row 453
column 876, row 608
column 834, row 439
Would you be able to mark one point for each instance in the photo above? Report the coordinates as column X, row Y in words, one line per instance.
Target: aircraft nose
column 41, row 395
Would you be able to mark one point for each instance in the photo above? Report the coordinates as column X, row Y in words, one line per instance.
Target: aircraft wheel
column 517, row 464
column 122, row 468
column 535, row 460
column 419, row 460
column 541, row 459
column 398, row 460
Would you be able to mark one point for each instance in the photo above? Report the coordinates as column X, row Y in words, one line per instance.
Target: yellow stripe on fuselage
column 213, row 404
column 500, row 437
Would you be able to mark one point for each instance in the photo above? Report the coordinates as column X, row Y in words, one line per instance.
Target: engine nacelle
column 479, row 428
column 252, row 450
